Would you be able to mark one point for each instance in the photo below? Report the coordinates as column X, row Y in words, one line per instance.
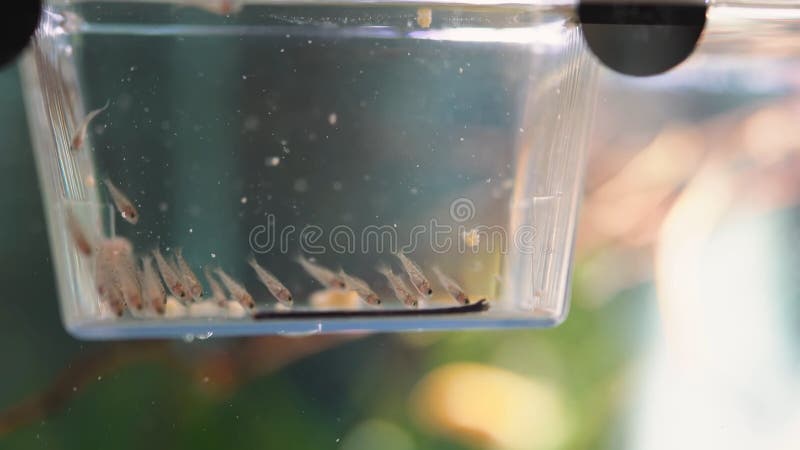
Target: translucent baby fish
column 399, row 287
column 451, row 287
column 326, row 277
column 189, row 278
column 105, row 281
column 110, row 292
column 80, row 134
column 221, row 7
column 275, row 287
column 123, row 204
column 128, row 280
column 117, row 271
column 237, row 291
column 170, row 276
column 217, row 292
column 78, row 236
column 360, row 287
column 418, row 279
column 153, row 291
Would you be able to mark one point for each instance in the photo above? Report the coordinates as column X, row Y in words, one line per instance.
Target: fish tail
column 251, row 260
column 384, row 269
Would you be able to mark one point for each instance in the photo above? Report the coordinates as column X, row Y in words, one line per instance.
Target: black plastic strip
column 480, row 305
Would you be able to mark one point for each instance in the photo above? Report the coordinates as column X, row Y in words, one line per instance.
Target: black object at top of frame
column 642, row 37
column 18, row 22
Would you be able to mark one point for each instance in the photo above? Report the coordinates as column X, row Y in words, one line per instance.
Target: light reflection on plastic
column 548, row 36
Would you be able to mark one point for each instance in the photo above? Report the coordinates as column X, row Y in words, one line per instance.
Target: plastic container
column 342, row 133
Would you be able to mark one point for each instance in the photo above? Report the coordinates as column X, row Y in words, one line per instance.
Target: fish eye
column 378, row 301
column 414, row 304
column 430, row 291
column 290, row 298
column 466, row 301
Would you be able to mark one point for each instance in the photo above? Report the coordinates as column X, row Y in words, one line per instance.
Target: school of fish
column 159, row 284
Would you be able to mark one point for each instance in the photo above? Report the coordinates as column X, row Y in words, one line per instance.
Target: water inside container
column 341, row 134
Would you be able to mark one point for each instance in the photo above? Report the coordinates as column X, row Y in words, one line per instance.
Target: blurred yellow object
column 472, row 238
column 489, row 407
column 335, row 299
column 424, row 17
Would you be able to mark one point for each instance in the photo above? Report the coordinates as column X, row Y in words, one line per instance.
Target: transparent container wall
column 343, row 134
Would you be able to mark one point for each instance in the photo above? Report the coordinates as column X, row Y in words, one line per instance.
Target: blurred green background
column 682, row 331
column 57, row 392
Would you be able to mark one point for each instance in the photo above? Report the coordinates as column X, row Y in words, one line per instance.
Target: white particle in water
column 310, row 41
column 213, row 255
column 282, row 50
column 522, row 130
column 332, row 119
column 472, row 238
column 413, row 191
column 461, row 139
column 337, row 186
column 272, row 161
column 163, row 206
column 243, row 200
column 300, row 185
column 460, row 70
column 251, row 123
column 191, row 230
column 244, row 77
